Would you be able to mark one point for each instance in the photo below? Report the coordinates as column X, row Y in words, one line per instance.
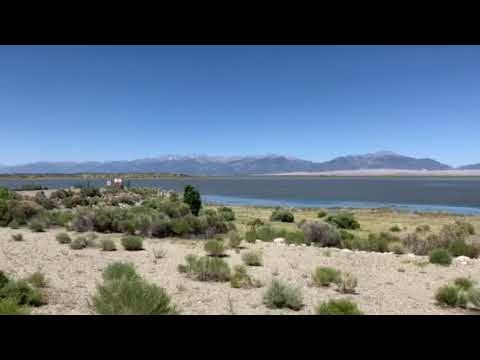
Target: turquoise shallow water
column 230, row 200
column 454, row 195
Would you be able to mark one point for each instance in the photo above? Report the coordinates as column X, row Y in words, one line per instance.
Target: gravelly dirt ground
column 387, row 283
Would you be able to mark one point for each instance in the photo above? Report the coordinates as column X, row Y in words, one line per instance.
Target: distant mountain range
column 470, row 167
column 235, row 165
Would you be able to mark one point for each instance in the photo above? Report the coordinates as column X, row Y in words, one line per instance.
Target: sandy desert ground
column 387, row 283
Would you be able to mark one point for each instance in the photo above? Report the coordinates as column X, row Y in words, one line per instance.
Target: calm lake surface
column 456, row 195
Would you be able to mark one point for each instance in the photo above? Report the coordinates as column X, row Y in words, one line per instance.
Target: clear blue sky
column 60, row 103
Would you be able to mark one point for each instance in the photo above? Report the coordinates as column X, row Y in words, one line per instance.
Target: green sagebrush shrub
column 215, row 248
column 206, row 268
column 252, row 258
column 63, row 238
column 324, row 276
column 124, row 293
column 321, row 234
column 344, row 221
column 226, row 213
column 280, row 295
column 338, row 307
column 282, row 215
column 241, row 279
column 440, row 257
column 132, row 243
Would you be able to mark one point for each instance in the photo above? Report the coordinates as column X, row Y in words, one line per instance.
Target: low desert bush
column 38, row 280
column 265, row 233
column 422, row 228
column 126, row 226
column 59, row 217
column 346, row 235
column 374, row 242
column 419, row 245
column 321, row 214
column 459, row 294
column 234, row 240
column 180, row 227
column 91, row 238
column 241, row 279
column 108, row 245
column 118, row 270
column 464, row 283
column 37, row 225
column 79, row 243
column 324, row 276
column 18, row 211
column 338, row 307
column 143, row 224
column 226, row 213
column 343, row 221
column 440, row 257
column 83, row 222
column 215, row 248
column 474, row 296
column 3, row 279
column 90, row 191
column 252, row 258
column 380, row 242
column 161, row 228
column 22, row 293
column 10, row 307
column 17, row 237
column 395, row 228
column 255, row 222
column 206, row 268
column 295, row 237
column 449, row 295
column 468, row 228
column 63, row 238
column 132, row 243
column 321, row 234
column 301, row 222
column 251, row 235
column 282, row 215
column 397, row 248
column 124, row 296
column 280, row 295
column 347, row 283
column 461, row 248
column 43, row 201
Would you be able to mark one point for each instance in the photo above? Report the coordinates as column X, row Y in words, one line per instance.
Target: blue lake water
column 454, row 195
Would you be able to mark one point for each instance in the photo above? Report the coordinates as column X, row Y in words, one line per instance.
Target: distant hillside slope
column 470, row 167
column 381, row 160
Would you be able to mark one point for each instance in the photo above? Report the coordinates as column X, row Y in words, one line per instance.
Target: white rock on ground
column 463, row 260
column 279, row 240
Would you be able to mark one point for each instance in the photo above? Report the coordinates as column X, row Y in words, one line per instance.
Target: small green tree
column 191, row 196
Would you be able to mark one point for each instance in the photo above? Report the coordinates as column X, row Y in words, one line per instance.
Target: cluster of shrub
column 462, row 293
column 156, row 216
column 17, row 296
column 452, row 240
column 278, row 294
column 124, row 292
column 325, row 276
